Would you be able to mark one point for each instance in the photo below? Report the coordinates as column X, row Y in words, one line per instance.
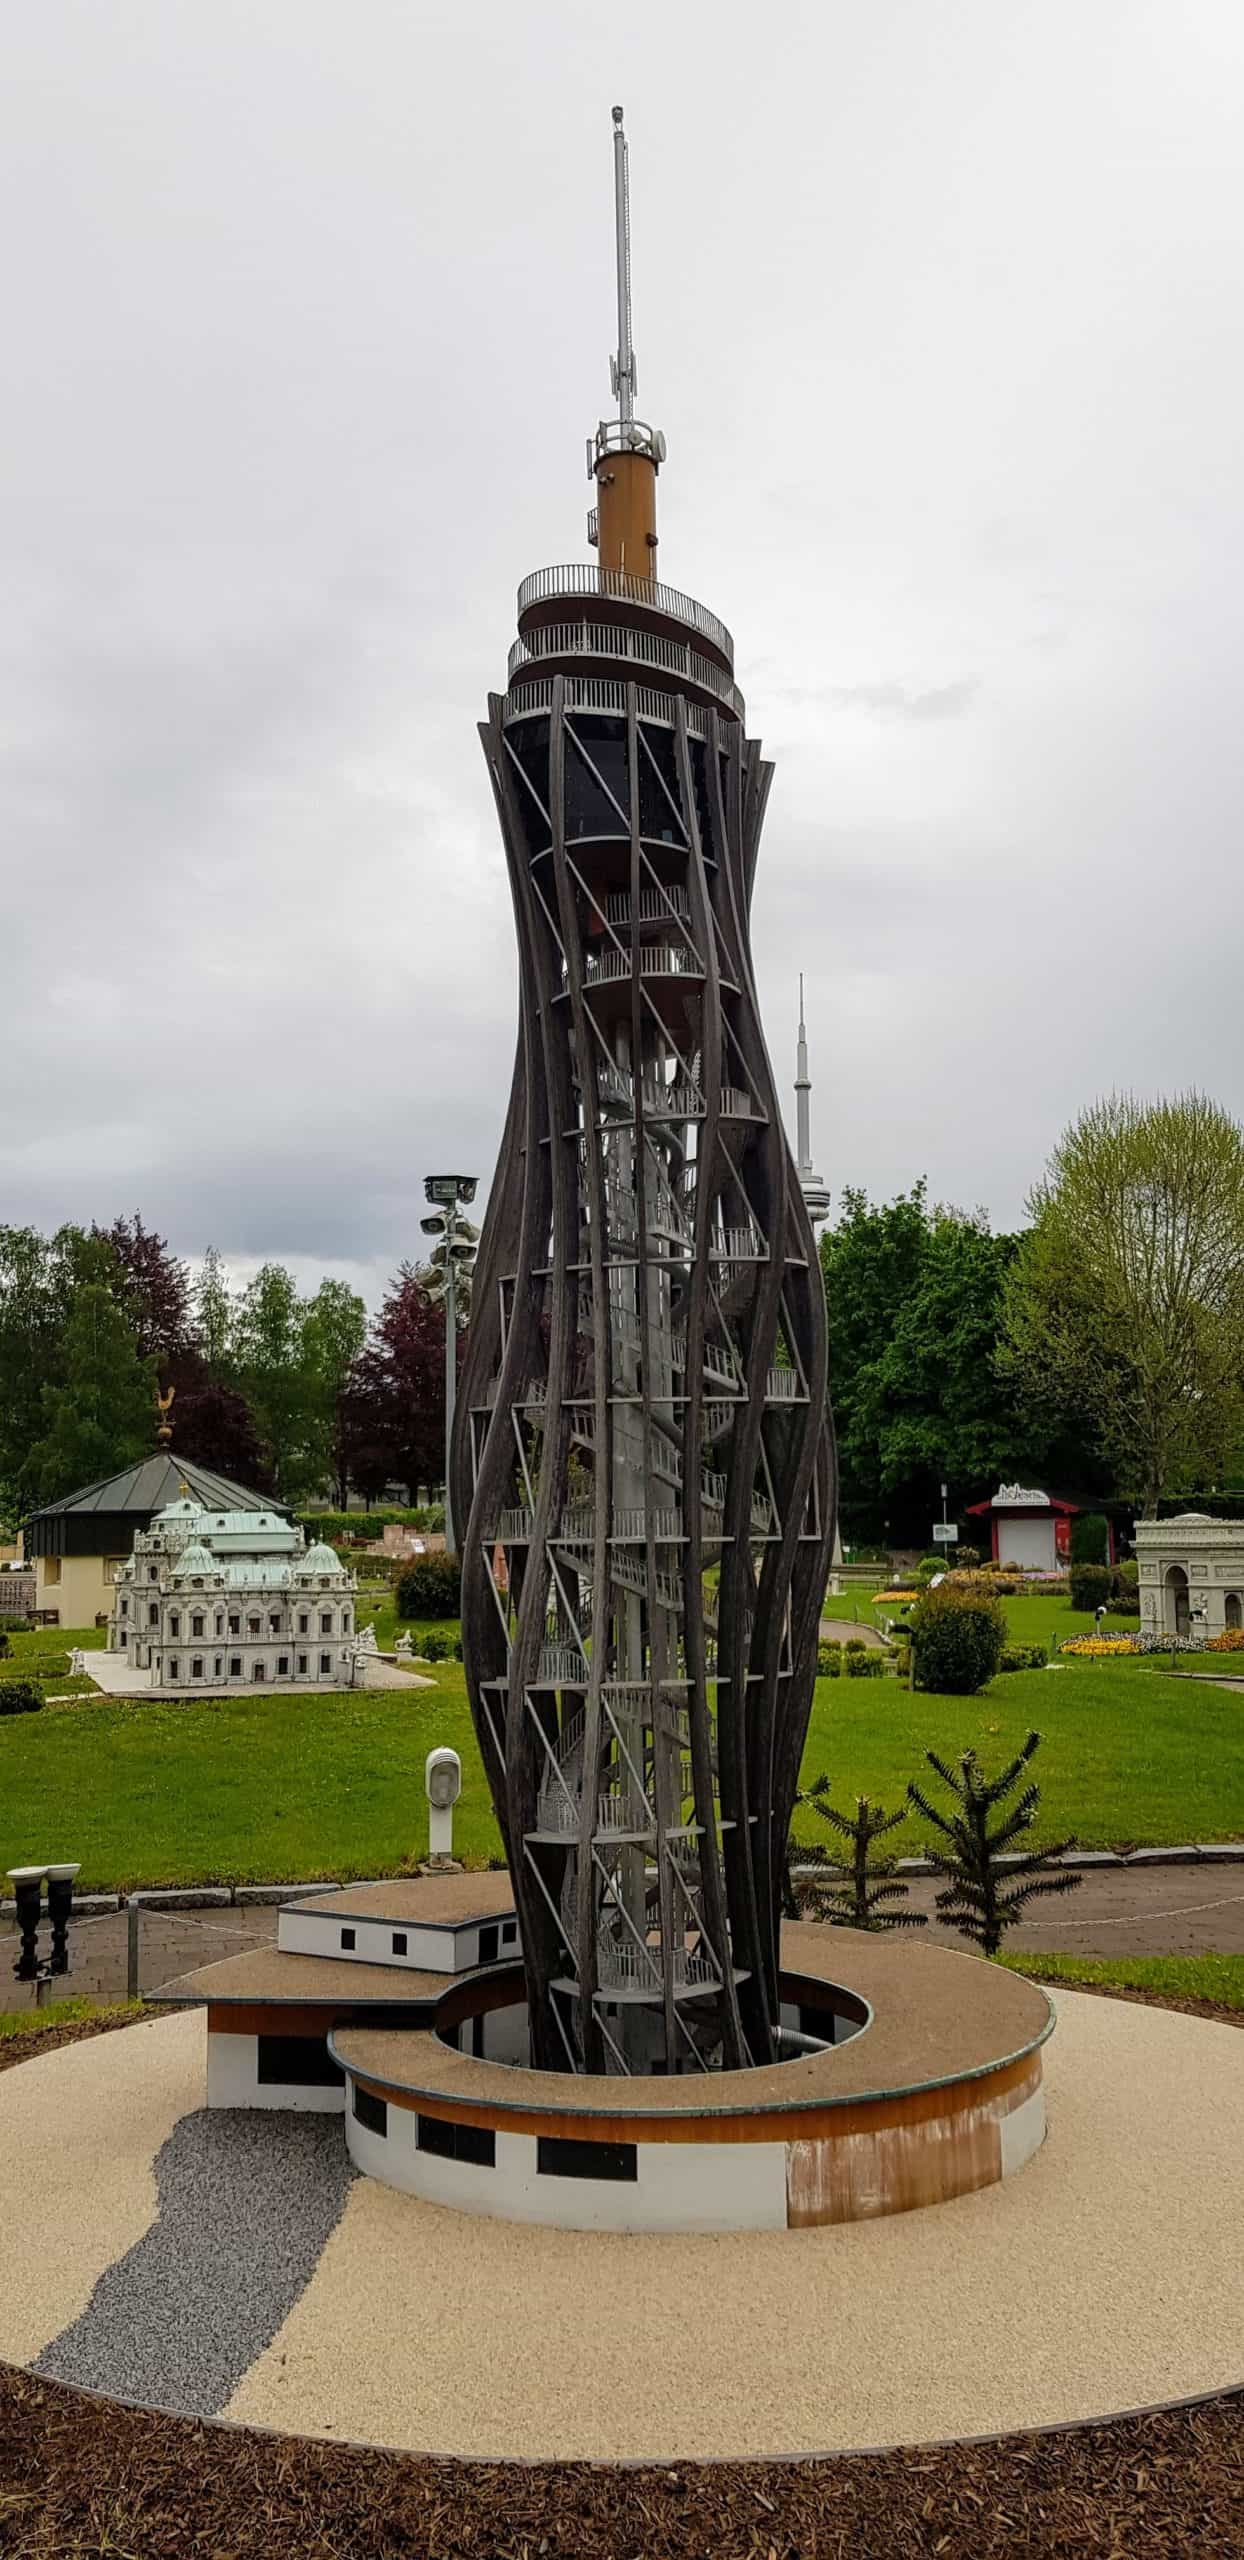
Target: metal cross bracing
column 644, row 1447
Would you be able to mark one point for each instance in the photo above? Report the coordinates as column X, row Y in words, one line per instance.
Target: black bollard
column 27, row 1883
column 60, row 1904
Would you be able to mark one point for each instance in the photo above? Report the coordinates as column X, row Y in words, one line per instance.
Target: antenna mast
column 624, row 456
column 623, row 367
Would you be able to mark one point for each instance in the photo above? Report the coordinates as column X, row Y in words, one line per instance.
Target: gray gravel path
column 246, row 2205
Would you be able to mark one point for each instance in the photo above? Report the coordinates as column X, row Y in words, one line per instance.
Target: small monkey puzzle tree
column 856, row 1902
column 983, row 1898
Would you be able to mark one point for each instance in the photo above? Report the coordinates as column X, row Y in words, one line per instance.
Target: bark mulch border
column 85, row 2478
column 90, row 2478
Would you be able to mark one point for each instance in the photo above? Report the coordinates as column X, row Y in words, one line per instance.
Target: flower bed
column 1098, row 1648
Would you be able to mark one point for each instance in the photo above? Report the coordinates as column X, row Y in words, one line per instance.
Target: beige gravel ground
column 1109, row 2274
column 79, row 2131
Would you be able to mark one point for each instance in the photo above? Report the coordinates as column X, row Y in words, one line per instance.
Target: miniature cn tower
column 643, row 1455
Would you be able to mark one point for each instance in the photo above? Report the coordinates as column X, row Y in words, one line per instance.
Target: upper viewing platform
column 617, row 596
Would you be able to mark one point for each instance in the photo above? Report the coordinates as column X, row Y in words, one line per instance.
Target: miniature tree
column 856, row 1902
column 983, row 1896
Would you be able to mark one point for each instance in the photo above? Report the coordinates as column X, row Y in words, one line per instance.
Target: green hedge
column 1089, row 1585
column 1090, row 1538
column 332, row 1525
column 851, row 1661
column 957, row 1636
column 19, row 1698
column 431, row 1588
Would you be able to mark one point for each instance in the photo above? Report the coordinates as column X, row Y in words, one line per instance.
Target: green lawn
column 1129, row 1756
column 16, row 2023
column 1219, row 1978
column 244, row 1789
column 238, row 1789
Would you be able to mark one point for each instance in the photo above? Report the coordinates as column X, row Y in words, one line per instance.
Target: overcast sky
column 306, row 314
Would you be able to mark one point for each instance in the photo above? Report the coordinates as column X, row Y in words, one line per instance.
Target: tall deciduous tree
column 914, row 1298
column 1126, row 1302
column 214, row 1314
column 294, row 1356
column 100, row 1417
column 269, row 1353
column 40, row 1277
column 334, row 1329
column 397, row 1392
column 154, row 1289
column 215, row 1426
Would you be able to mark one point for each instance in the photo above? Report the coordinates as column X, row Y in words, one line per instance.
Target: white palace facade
column 233, row 1599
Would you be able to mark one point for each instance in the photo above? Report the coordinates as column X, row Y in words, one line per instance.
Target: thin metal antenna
column 624, row 365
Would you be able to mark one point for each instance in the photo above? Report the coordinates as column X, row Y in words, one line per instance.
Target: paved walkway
column 1149, row 1911
column 841, row 1631
column 112, row 1673
column 224, row 2265
column 1153, row 1911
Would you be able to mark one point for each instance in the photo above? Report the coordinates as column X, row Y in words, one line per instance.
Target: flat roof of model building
column 426, row 1902
column 269, row 1974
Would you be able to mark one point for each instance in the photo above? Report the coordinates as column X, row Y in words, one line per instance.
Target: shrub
column 19, row 1698
column 863, row 1666
column 856, row 1902
column 1090, row 1538
column 5, row 1647
column 855, row 1644
column 1089, row 1585
column 966, row 1558
column 431, row 1588
column 1127, row 1574
column 434, row 1647
column 982, row 1899
column 828, row 1661
column 958, row 1637
column 1022, row 1657
column 1125, row 1604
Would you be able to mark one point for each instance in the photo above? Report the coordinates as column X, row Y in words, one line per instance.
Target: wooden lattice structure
column 644, row 1456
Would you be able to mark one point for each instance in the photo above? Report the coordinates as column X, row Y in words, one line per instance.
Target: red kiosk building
column 1031, row 1528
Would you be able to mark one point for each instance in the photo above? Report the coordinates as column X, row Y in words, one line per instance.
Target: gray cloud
column 302, row 338
column 889, row 701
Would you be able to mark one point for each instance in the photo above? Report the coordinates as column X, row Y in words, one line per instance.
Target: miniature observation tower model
column 643, row 1453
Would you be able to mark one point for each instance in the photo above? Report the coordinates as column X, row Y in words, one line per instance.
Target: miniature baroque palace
column 224, row 1599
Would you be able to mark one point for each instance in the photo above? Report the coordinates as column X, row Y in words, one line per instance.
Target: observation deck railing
column 620, row 640
column 656, row 960
column 584, row 578
column 632, row 1969
column 784, row 1386
column 654, row 904
column 557, row 1662
column 596, row 694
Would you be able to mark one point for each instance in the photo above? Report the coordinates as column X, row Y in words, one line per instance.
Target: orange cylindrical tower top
column 624, row 456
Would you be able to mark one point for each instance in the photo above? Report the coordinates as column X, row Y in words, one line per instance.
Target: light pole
column 456, row 1243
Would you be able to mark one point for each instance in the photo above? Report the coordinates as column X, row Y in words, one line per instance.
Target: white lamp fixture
column 442, row 1778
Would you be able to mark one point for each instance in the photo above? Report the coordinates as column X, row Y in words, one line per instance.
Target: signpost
column 945, row 1533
